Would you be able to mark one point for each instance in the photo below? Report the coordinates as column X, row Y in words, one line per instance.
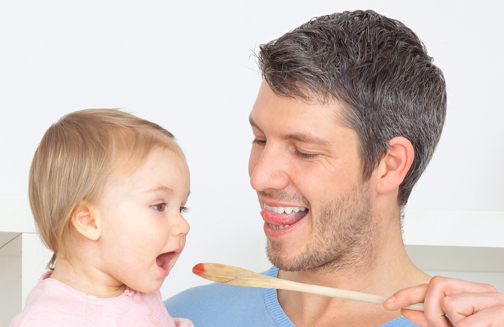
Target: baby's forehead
column 131, row 159
column 162, row 169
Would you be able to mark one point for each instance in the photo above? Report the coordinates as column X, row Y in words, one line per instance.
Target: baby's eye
column 159, row 207
column 183, row 209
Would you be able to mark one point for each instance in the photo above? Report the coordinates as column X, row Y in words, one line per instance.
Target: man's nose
column 270, row 171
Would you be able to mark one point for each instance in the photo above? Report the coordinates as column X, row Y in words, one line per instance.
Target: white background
column 188, row 66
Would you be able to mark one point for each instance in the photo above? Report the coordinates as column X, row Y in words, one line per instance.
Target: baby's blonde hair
column 75, row 158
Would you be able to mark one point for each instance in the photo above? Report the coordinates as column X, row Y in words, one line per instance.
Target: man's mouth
column 287, row 210
column 277, row 227
column 281, row 217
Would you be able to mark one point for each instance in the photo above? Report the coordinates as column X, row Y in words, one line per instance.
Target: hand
column 451, row 302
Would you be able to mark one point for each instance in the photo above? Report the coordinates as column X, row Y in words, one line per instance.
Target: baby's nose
column 180, row 227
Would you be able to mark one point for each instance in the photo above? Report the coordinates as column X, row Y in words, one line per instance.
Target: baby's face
column 143, row 231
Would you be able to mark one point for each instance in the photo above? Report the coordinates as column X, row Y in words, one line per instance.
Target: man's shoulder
column 214, row 304
column 213, row 295
column 222, row 305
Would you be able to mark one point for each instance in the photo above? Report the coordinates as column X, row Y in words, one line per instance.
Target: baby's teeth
column 288, row 210
column 274, row 209
column 280, row 209
column 302, row 208
column 296, row 209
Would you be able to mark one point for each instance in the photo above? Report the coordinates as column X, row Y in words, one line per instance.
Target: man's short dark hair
column 379, row 68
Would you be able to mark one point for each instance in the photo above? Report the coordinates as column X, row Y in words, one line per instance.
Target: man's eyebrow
column 301, row 137
column 307, row 138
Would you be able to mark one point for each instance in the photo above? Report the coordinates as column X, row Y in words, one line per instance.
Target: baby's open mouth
column 163, row 261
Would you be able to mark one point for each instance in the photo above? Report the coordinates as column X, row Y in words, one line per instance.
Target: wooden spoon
column 243, row 277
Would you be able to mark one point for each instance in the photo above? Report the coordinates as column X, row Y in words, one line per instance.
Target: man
column 348, row 115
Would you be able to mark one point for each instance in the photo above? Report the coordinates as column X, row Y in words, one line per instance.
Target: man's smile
column 287, row 210
column 280, row 217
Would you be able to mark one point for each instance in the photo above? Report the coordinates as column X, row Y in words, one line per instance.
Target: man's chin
column 300, row 261
column 281, row 259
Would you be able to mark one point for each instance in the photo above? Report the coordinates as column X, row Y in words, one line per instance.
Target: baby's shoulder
column 46, row 313
column 47, row 305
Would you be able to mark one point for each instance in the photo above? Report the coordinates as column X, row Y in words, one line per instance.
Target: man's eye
column 159, row 207
column 305, row 155
column 183, row 209
column 259, row 142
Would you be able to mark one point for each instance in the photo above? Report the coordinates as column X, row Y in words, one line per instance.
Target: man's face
column 306, row 169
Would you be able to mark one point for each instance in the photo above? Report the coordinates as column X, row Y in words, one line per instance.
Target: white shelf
column 23, row 260
column 459, row 244
column 6, row 238
column 457, row 258
column 23, row 257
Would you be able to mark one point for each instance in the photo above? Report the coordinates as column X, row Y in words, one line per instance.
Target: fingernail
column 390, row 300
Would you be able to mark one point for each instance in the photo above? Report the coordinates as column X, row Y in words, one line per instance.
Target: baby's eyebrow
column 160, row 188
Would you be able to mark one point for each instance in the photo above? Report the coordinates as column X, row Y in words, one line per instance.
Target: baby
column 107, row 190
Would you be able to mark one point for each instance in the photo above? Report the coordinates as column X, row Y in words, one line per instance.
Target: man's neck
column 389, row 270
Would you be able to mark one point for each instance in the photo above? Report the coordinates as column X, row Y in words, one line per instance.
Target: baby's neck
column 86, row 279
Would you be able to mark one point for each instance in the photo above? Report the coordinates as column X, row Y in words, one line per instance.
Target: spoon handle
column 241, row 277
column 316, row 289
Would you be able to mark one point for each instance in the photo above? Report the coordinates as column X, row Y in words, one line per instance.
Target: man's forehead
column 310, row 109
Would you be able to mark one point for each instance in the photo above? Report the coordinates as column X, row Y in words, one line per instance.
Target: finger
column 455, row 286
column 439, row 288
column 489, row 317
column 406, row 296
column 459, row 306
column 488, row 287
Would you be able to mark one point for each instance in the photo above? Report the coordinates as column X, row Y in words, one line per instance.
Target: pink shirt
column 52, row 303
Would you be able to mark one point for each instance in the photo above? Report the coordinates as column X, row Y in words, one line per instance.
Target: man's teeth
column 278, row 227
column 287, row 210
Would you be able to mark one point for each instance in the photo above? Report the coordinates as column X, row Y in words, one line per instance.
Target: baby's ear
column 84, row 222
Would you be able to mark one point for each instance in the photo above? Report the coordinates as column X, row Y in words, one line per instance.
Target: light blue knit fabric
column 229, row 305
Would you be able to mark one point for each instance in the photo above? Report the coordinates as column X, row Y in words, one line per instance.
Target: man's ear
column 84, row 221
column 396, row 163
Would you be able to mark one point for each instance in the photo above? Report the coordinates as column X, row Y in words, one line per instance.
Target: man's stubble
column 343, row 236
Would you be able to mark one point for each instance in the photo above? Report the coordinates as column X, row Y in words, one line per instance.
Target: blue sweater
column 230, row 305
